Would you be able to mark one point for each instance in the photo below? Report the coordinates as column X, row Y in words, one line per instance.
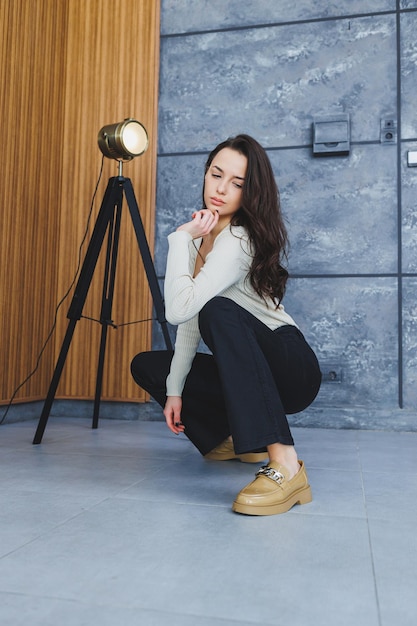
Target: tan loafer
column 226, row 452
column 272, row 493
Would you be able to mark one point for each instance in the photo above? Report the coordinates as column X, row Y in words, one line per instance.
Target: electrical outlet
column 388, row 132
column 331, row 373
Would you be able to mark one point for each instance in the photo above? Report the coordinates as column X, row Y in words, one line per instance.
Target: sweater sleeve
column 225, row 265
column 186, row 344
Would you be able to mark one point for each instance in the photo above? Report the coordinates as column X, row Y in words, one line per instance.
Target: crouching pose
column 224, row 283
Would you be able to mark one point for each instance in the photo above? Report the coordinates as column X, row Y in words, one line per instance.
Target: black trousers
column 253, row 378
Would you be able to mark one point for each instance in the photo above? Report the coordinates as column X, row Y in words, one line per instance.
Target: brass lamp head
column 123, row 141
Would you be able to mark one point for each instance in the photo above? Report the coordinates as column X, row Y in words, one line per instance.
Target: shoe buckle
column 270, row 472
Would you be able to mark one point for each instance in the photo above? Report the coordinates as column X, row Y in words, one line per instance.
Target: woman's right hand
column 201, row 224
column 172, row 412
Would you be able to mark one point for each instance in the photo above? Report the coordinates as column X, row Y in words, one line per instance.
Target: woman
column 224, row 284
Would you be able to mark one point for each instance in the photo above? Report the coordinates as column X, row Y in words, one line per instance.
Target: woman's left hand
column 201, row 224
column 172, row 412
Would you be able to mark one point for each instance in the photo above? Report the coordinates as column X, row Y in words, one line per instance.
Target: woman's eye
column 216, row 175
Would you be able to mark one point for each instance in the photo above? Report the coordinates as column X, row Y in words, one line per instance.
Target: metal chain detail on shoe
column 270, row 472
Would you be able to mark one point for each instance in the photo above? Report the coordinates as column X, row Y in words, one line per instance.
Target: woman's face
column 223, row 183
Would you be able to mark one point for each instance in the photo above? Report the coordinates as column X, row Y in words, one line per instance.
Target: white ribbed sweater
column 223, row 273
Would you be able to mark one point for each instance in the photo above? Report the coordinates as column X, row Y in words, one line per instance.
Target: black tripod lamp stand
column 122, row 141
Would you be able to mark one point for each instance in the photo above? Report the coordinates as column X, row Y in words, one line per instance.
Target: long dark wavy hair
column 260, row 214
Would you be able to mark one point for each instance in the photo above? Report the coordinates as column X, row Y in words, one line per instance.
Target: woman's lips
column 217, row 201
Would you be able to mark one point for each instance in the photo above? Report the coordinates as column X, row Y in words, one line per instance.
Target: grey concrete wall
column 268, row 68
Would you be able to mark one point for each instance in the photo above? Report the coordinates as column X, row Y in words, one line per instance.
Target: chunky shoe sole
column 303, row 496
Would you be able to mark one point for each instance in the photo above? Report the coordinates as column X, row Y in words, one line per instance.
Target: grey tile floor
column 128, row 525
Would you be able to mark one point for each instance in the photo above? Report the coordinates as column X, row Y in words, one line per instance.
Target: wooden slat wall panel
column 32, row 68
column 83, row 64
column 106, row 71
